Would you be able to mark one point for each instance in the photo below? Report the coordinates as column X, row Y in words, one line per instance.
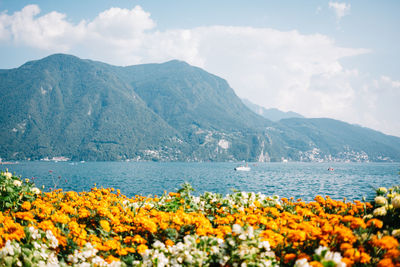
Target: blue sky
column 335, row 59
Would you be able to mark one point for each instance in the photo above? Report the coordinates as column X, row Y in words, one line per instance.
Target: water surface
column 298, row 180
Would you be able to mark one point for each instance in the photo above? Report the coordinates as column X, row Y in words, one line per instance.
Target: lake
column 298, row 180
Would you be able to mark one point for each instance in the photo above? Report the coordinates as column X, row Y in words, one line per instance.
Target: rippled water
column 298, row 180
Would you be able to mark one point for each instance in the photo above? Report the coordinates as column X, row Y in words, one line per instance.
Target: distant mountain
column 272, row 114
column 325, row 139
column 86, row 110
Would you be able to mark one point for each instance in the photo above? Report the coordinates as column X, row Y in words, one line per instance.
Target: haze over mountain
column 272, row 114
column 85, row 110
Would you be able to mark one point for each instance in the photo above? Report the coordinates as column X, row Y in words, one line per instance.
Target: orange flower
column 375, row 222
column 345, row 246
column 365, row 258
column 386, row 262
column 111, row 258
column 169, row 242
column 141, row 248
column 386, row 242
column 289, row 257
column 105, row 225
column 26, row 205
column 316, row 264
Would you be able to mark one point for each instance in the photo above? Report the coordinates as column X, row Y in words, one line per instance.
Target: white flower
column 35, row 190
column 53, row 240
column 302, row 263
column 115, row 264
column 53, row 260
column 265, row 245
column 214, row 249
column 396, row 202
column 382, row 190
column 17, row 183
column 36, row 245
column 34, row 232
column 7, row 249
column 379, row 211
column 7, row 174
column 242, row 237
column 250, row 232
column 98, row 261
column 396, row 233
column 89, row 251
column 381, row 201
column 320, row 249
column 236, row 228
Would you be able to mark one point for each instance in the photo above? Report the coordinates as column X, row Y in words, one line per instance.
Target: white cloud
column 272, row 68
column 341, row 9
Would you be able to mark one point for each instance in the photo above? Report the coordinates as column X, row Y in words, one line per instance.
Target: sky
column 335, row 59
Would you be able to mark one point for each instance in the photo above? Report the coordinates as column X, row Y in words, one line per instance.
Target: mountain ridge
column 82, row 109
column 272, row 114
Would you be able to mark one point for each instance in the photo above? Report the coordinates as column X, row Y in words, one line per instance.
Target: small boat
column 331, row 169
column 242, row 168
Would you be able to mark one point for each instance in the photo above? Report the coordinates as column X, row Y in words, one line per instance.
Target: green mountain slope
column 62, row 105
column 86, row 110
column 185, row 95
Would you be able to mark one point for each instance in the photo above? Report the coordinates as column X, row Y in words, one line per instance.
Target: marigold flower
column 316, row 264
column 375, row 222
column 141, row 248
column 289, row 257
column 386, row 242
column 111, row 258
column 105, row 225
column 386, row 262
column 169, row 242
column 345, row 246
column 26, row 205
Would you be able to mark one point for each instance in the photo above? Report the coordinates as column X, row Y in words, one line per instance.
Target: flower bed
column 105, row 228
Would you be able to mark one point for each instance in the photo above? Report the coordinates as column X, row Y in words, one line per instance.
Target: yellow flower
column 141, row 248
column 396, row 233
column 26, row 205
column 105, row 225
column 396, row 202
column 380, row 211
column 381, row 201
column 382, row 190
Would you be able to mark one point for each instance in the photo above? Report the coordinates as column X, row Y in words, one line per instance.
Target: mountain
column 62, row 105
column 272, row 114
column 82, row 109
column 86, row 110
column 323, row 139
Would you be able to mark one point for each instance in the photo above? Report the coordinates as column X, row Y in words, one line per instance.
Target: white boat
column 242, row 168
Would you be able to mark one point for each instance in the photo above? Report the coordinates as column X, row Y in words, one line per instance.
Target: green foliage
column 14, row 191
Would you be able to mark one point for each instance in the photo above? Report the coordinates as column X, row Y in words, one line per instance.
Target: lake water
column 298, row 180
